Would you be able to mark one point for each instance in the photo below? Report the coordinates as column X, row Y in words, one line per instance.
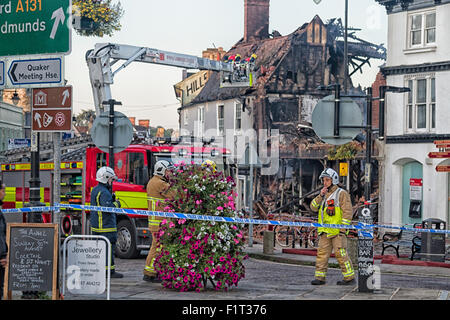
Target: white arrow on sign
column 59, row 17
column 65, row 94
column 37, row 118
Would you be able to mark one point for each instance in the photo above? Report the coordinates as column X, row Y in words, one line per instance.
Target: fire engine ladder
column 45, row 150
column 101, row 59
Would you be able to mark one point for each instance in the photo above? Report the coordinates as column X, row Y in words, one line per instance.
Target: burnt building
column 288, row 72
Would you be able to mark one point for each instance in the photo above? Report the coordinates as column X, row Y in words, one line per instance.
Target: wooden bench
column 404, row 238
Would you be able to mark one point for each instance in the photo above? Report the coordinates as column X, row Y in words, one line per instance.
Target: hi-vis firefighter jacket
column 334, row 208
column 103, row 221
column 157, row 192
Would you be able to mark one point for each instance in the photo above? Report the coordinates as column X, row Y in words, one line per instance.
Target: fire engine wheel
column 126, row 240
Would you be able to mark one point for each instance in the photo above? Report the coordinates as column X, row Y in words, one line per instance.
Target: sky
column 189, row 27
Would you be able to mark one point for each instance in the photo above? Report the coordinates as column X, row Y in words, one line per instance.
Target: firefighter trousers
column 112, row 237
column 149, row 269
column 337, row 243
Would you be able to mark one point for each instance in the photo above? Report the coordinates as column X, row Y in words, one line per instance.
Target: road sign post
column 338, row 124
column 111, row 103
column 35, row 27
column 122, row 132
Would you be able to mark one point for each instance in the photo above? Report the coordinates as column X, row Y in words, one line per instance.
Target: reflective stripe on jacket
column 103, row 221
column 157, row 193
column 342, row 209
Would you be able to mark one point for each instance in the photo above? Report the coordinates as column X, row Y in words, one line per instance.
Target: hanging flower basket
column 194, row 252
column 96, row 17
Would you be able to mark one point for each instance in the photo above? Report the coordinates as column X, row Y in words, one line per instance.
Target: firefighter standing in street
column 157, row 192
column 334, row 207
column 105, row 223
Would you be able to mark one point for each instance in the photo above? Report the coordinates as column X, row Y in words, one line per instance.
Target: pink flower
column 198, row 202
column 187, row 238
column 181, row 221
column 171, row 225
column 220, row 208
column 163, row 222
column 236, row 241
column 212, row 196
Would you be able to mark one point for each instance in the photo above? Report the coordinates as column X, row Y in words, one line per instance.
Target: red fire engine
column 133, row 166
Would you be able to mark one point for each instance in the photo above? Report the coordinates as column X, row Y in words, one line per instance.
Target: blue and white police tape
column 365, row 230
column 190, row 216
column 27, row 210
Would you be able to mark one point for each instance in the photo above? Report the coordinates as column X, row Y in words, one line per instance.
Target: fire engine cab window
column 101, row 160
column 136, row 168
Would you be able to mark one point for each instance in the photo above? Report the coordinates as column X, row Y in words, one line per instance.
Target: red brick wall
column 256, row 19
column 379, row 81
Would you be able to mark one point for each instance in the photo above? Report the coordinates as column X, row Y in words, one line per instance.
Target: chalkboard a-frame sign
column 32, row 258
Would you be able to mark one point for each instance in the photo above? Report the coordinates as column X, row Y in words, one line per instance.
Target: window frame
column 423, row 30
column 411, row 111
column 201, row 121
column 219, row 120
column 237, row 129
column 185, row 117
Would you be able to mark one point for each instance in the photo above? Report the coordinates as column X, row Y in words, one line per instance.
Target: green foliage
column 346, row 151
column 104, row 15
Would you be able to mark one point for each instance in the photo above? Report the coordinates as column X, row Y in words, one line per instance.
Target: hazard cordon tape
column 365, row 230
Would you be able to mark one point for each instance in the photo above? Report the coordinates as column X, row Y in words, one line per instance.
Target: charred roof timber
column 296, row 63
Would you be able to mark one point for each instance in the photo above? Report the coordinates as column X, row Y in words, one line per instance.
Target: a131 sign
column 35, row 27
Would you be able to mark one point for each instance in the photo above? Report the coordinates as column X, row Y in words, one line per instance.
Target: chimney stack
column 144, row 123
column 256, row 20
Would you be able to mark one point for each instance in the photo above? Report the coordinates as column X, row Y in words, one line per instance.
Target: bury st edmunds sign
column 35, row 27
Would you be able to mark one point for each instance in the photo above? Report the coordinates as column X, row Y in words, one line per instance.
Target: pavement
column 399, row 266
column 285, row 282
column 280, row 285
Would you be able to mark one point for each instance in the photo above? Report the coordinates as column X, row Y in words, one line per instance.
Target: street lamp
column 15, row 98
column 383, row 90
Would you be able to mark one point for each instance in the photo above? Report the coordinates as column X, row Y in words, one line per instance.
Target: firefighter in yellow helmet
column 209, row 164
column 157, row 192
column 334, row 207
